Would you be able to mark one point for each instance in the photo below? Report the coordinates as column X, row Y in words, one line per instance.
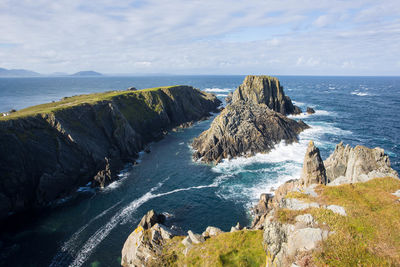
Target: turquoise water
column 92, row 226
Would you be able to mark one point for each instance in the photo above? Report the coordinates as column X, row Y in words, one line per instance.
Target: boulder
column 304, row 240
column 313, row 167
column 358, row 164
column 196, row 238
column 212, row 231
column 337, row 209
column 243, row 129
column 310, row 110
column 265, row 90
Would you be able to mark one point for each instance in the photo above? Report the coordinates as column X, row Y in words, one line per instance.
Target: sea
column 90, row 227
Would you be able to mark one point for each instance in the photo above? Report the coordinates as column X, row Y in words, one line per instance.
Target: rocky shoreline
column 287, row 242
column 48, row 151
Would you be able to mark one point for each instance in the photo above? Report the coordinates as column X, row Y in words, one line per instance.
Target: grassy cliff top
column 241, row 248
column 67, row 102
column 370, row 233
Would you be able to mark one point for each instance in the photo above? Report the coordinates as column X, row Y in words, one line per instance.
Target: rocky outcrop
column 145, row 243
column 292, row 242
column 46, row 156
column 358, row 164
column 313, row 167
column 253, row 122
column 310, row 110
column 243, row 129
column 265, row 90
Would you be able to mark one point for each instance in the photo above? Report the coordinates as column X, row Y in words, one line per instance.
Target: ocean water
column 91, row 227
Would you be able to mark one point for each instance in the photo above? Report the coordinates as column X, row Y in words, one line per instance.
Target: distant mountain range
column 18, row 73
column 28, row 73
column 87, row 73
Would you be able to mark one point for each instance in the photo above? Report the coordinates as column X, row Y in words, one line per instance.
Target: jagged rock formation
column 46, row 152
column 145, row 243
column 253, row 122
column 313, row 167
column 245, row 129
column 265, row 90
column 358, row 164
column 292, row 242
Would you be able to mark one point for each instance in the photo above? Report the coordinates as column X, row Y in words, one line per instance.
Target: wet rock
column 310, row 110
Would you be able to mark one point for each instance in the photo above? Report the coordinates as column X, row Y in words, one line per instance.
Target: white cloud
column 281, row 37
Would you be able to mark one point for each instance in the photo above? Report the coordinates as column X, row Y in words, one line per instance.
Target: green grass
column 68, row 102
column 370, row 233
column 242, row 248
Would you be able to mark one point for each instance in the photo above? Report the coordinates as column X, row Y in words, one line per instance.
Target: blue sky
column 311, row 37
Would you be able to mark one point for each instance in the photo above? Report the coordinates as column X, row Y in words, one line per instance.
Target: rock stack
column 253, row 122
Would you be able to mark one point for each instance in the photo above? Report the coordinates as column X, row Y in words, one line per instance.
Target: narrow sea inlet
column 90, row 228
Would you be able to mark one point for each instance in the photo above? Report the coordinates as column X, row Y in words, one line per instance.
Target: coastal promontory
column 48, row 151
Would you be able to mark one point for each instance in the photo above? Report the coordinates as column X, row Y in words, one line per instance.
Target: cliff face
column 253, row 122
column 265, row 90
column 245, row 129
column 46, row 155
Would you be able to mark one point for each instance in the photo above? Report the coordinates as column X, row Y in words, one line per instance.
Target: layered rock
column 245, row 129
column 145, row 243
column 358, row 164
column 46, row 155
column 313, row 167
column 265, row 90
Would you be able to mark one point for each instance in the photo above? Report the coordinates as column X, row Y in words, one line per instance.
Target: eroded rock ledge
column 253, row 122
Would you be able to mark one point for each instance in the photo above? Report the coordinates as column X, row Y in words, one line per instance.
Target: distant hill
column 87, row 73
column 17, row 73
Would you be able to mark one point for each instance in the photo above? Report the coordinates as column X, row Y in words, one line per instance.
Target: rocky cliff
column 265, row 90
column 306, row 223
column 47, row 151
column 253, row 122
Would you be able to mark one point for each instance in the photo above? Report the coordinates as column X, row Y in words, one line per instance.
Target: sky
column 287, row 37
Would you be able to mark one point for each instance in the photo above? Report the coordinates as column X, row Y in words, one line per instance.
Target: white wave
column 332, row 88
column 70, row 245
column 122, row 217
column 122, row 176
column 360, row 93
column 222, row 95
column 284, row 163
column 219, row 90
column 317, row 113
column 297, row 103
